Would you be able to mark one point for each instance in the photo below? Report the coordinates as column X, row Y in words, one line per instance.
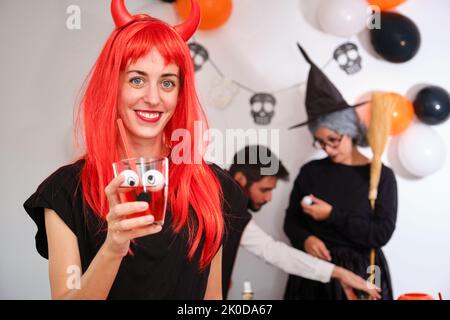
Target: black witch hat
column 322, row 97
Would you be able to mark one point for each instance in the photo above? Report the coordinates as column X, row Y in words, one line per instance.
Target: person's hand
column 315, row 247
column 350, row 281
column 319, row 210
column 122, row 230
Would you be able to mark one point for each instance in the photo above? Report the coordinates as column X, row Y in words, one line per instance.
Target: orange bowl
column 415, row 296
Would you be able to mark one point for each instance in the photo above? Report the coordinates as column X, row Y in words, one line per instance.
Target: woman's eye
column 167, row 84
column 131, row 178
column 333, row 139
column 137, row 82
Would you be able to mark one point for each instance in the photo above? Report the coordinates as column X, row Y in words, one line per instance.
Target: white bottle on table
column 247, row 294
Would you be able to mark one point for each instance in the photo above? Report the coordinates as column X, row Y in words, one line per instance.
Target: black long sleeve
column 295, row 221
column 352, row 222
column 236, row 218
column 352, row 228
column 370, row 228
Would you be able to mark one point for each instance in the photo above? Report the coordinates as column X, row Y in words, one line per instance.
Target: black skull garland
column 348, row 58
column 262, row 107
column 262, row 104
column 199, row 55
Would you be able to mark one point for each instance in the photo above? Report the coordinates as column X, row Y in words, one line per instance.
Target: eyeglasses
column 332, row 142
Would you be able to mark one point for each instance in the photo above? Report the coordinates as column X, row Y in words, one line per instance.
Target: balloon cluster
column 393, row 36
column 420, row 149
column 396, row 38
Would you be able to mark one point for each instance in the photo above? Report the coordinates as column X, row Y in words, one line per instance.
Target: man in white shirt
column 247, row 168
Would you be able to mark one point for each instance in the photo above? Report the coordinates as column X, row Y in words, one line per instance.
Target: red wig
column 191, row 184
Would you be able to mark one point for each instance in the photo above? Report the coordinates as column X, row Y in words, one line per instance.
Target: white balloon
column 343, row 18
column 421, row 150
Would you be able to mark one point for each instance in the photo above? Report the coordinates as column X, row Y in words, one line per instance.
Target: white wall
column 43, row 65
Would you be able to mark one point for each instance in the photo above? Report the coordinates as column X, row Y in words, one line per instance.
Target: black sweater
column 352, row 222
column 159, row 267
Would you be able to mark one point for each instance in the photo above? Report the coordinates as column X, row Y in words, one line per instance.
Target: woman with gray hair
column 339, row 225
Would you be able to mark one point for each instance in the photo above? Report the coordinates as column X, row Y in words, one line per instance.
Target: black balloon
column 169, row 1
column 398, row 39
column 432, row 105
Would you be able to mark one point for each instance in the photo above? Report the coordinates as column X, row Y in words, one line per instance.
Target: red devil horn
column 188, row 27
column 120, row 14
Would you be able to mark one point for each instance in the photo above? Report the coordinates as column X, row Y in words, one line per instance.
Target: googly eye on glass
column 131, row 178
column 153, row 179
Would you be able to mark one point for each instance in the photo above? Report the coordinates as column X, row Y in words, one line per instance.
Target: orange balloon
column 385, row 4
column 213, row 13
column 402, row 114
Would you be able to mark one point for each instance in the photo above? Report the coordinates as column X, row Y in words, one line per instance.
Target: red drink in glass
column 155, row 199
column 145, row 180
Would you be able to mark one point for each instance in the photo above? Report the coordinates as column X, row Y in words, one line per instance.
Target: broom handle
column 372, row 269
column 372, row 258
column 372, row 265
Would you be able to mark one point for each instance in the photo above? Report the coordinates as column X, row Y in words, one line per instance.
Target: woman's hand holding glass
column 121, row 230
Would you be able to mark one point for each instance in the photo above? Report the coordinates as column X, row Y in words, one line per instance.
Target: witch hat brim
column 331, row 111
column 322, row 97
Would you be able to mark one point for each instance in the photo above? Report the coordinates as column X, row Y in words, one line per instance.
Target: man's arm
column 283, row 256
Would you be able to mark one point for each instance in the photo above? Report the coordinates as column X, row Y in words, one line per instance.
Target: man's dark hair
column 257, row 162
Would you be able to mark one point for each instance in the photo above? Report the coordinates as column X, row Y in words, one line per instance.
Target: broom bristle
column 377, row 136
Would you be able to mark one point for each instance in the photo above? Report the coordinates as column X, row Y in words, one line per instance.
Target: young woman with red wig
column 144, row 76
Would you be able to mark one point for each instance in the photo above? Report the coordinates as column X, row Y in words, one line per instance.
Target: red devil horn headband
column 186, row 29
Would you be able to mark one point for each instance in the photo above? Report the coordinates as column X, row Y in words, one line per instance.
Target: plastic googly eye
column 153, row 179
column 131, row 178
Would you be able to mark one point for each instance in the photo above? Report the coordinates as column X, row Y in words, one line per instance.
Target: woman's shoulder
column 66, row 177
column 58, row 192
column 316, row 163
column 59, row 187
column 72, row 171
column 312, row 166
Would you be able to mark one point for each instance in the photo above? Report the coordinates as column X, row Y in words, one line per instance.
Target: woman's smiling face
column 148, row 95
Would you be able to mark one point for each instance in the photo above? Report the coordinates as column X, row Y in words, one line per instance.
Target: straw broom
column 377, row 136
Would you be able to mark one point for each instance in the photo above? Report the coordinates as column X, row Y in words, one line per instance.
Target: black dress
column 352, row 229
column 236, row 221
column 159, row 267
